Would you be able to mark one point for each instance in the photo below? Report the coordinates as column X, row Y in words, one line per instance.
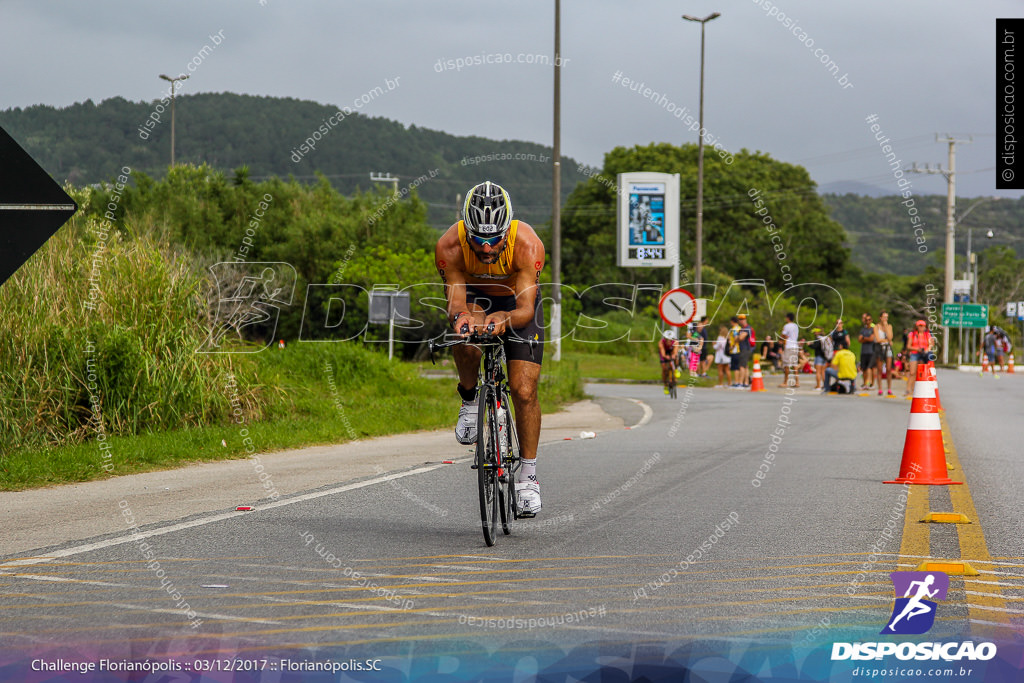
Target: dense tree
column 736, row 240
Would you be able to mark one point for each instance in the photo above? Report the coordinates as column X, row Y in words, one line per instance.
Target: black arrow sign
column 32, row 206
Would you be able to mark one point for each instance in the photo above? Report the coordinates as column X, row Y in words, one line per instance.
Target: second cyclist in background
column 667, row 358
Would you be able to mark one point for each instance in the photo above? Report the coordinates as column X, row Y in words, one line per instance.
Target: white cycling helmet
column 488, row 210
column 669, row 334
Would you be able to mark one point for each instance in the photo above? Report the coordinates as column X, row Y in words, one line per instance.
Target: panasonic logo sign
column 949, row 652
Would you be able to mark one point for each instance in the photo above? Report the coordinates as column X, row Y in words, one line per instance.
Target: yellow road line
column 981, row 605
column 916, row 536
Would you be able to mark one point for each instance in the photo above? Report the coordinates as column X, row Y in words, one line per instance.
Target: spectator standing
column 840, row 335
column 1002, row 348
column 919, row 346
column 722, row 357
column 790, row 350
column 747, row 343
column 867, row 350
column 883, row 351
column 822, row 347
column 1006, row 343
column 737, row 340
column 992, row 349
column 706, row 351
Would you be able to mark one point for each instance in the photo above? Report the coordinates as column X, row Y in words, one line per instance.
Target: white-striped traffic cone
column 924, row 460
column 756, row 382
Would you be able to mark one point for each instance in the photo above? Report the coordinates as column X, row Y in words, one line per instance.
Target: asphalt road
column 615, row 557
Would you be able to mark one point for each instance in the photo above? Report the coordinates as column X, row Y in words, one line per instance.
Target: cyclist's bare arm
column 451, row 267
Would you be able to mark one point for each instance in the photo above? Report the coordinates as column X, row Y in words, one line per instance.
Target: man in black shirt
column 840, row 335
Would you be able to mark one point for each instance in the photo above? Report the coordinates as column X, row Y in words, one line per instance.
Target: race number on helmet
column 488, row 211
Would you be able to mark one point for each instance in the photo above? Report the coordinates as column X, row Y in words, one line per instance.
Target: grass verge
column 318, row 394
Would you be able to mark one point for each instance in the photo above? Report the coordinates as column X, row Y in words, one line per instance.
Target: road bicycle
column 498, row 457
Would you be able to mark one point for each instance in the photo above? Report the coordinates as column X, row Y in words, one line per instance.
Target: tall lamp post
column 174, row 87
column 972, row 262
column 698, row 271
column 556, row 195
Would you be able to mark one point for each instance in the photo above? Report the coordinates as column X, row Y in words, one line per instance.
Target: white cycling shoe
column 465, row 428
column 528, row 498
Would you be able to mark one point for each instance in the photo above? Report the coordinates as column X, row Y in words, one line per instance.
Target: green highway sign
column 965, row 315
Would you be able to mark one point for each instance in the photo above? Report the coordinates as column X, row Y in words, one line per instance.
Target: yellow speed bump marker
column 947, row 518
column 951, row 568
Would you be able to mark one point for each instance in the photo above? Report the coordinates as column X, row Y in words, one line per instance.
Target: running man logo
column 913, row 613
column 249, row 295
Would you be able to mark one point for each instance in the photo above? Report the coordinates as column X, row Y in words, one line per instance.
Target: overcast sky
column 922, row 66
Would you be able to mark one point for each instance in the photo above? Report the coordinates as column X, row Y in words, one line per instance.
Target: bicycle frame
column 496, row 465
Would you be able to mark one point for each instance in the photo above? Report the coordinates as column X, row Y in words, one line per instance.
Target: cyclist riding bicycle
column 490, row 265
column 667, row 352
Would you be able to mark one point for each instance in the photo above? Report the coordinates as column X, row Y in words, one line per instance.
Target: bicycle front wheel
column 509, row 467
column 487, row 462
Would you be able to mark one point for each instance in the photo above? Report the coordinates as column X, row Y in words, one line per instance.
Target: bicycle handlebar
column 480, row 339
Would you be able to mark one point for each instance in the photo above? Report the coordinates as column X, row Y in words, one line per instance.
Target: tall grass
column 100, row 333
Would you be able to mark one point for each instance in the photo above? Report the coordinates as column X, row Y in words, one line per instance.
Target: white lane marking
column 461, row 568
column 988, row 623
column 648, row 413
column 61, row 579
column 1007, row 610
column 347, row 605
column 87, row 547
column 206, row 615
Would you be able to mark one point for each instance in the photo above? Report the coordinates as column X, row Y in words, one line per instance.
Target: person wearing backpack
column 737, row 344
column 822, row 347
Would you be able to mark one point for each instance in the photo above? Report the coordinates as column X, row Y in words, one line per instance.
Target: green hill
column 881, row 237
column 88, row 143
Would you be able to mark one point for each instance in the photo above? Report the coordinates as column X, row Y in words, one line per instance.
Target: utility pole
column 381, row 178
column 698, row 275
column 556, row 197
column 950, row 175
column 174, row 89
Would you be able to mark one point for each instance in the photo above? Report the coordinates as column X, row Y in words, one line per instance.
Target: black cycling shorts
column 532, row 330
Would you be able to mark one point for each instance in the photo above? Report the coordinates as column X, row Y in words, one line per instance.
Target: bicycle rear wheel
column 487, row 463
column 509, row 467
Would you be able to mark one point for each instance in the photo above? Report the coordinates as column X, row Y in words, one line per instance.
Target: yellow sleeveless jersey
column 501, row 270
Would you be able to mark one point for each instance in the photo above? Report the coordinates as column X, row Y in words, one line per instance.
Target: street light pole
column 556, row 196
column 974, row 296
column 174, row 88
column 698, row 270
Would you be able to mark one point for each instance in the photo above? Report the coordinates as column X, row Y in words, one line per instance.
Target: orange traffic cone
column 924, row 461
column 280, row 344
column 756, row 383
column 934, row 378
column 1009, row 366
